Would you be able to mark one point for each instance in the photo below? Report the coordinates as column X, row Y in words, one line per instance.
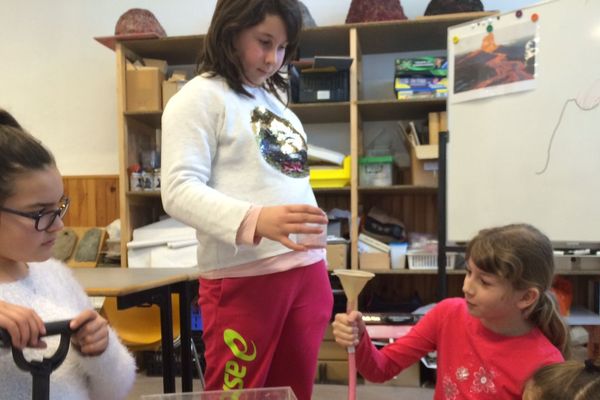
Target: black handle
column 52, row 328
column 41, row 370
column 57, row 327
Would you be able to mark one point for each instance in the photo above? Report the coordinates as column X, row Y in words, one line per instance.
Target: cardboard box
column 328, row 334
column 374, row 261
column 337, row 256
column 332, row 371
column 169, row 88
column 420, row 86
column 330, row 350
column 424, row 164
column 144, row 89
column 422, row 66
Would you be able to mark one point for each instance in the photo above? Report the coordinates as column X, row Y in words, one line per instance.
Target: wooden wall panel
column 94, row 199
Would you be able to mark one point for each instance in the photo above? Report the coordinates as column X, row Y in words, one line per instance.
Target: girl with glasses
column 35, row 288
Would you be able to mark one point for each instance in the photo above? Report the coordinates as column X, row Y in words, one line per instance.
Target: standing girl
column 490, row 342
column 234, row 166
column 36, row 288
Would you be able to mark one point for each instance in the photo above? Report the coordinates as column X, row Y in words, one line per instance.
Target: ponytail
column 546, row 317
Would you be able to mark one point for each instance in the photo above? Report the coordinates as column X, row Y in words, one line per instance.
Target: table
column 137, row 286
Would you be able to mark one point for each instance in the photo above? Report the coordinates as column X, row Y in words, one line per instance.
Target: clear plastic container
column 375, row 171
column 276, row 393
column 420, row 260
column 313, row 240
column 398, row 255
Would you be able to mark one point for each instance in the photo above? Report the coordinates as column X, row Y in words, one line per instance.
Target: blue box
column 421, row 86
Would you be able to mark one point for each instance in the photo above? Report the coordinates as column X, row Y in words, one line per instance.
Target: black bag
column 437, row 7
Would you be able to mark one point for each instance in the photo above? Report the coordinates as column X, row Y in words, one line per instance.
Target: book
column 316, row 153
column 376, row 244
column 414, row 133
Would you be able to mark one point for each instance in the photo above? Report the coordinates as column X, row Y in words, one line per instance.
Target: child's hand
column 23, row 325
column 91, row 333
column 278, row 222
column 348, row 328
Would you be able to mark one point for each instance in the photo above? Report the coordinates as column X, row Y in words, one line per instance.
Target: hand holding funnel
column 353, row 281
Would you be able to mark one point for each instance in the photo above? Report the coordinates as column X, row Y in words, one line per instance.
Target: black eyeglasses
column 43, row 219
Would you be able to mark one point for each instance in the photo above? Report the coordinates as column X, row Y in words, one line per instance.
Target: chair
column 139, row 327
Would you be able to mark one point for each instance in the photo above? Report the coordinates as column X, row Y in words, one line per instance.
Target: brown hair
column 218, row 56
column 19, row 153
column 569, row 380
column 523, row 255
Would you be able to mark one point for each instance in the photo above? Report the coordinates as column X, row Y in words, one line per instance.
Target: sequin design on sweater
column 281, row 145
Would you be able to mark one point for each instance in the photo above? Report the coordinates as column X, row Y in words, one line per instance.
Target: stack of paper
column 368, row 244
column 321, row 154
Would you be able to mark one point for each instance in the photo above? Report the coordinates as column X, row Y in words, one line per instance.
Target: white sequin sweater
column 222, row 153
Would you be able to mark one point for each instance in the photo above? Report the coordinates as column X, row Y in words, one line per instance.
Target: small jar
column 156, row 179
column 135, row 182
column 147, row 179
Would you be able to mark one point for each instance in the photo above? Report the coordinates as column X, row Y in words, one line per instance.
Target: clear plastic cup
column 313, row 240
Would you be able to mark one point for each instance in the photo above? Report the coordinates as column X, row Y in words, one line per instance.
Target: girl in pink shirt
column 492, row 340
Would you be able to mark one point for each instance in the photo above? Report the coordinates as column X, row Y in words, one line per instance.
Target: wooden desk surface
column 122, row 281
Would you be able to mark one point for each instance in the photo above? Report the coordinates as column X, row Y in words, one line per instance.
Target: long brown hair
column 19, row 153
column 523, row 255
column 569, row 380
column 218, row 55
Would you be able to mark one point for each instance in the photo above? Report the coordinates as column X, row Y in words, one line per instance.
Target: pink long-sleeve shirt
column 472, row 361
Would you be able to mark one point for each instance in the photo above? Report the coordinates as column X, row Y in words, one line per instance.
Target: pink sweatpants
column 265, row 331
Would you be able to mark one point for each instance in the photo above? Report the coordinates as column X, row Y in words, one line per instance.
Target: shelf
column 342, row 190
column 398, row 189
column 177, row 50
column 578, row 272
column 311, row 113
column 149, row 118
column 386, row 110
column 325, row 41
column 582, row 316
column 424, row 33
column 184, row 50
column 152, row 194
column 417, row 272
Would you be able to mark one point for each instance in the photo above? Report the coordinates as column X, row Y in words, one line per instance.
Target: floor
column 146, row 385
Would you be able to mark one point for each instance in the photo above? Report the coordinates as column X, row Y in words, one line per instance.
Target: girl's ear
column 528, row 298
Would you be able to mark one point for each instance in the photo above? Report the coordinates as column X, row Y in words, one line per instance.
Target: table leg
column 166, row 329
column 184, row 289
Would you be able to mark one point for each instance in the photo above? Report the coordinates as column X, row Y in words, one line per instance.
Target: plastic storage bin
column 277, row 393
column 420, row 260
column 375, row 171
column 334, row 177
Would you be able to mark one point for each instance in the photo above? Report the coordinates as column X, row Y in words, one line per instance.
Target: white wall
column 60, row 83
